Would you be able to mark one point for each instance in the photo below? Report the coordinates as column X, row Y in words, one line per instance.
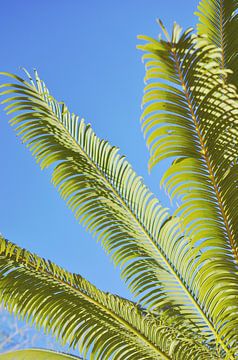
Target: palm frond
column 79, row 314
column 190, row 116
column 218, row 20
column 38, row 354
column 113, row 203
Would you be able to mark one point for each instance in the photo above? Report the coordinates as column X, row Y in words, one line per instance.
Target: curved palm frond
column 113, row 203
column 38, row 354
column 218, row 20
column 76, row 312
column 190, row 116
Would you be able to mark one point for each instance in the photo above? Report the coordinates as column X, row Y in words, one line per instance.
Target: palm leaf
column 190, row 116
column 113, row 203
column 218, row 20
column 76, row 312
column 38, row 354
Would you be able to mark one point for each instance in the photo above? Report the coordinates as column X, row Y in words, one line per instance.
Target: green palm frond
column 190, row 116
column 218, row 20
column 182, row 269
column 113, row 203
column 79, row 314
column 38, row 354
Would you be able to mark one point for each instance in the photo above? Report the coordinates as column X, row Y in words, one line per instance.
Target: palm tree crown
column 181, row 266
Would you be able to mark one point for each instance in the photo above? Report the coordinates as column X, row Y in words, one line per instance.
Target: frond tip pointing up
column 191, row 115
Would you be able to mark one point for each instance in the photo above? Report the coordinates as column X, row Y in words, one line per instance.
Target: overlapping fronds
column 182, row 269
column 38, row 354
column 77, row 313
column 108, row 197
column 191, row 116
column 218, row 20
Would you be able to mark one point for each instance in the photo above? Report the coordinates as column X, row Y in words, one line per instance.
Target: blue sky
column 85, row 50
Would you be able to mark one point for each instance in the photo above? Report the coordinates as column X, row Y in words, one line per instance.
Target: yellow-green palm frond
column 190, row 116
column 108, row 197
column 38, row 354
column 218, row 20
column 77, row 313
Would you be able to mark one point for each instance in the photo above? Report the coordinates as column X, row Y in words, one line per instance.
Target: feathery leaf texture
column 76, row 312
column 38, row 354
column 183, row 269
column 191, row 116
column 218, row 20
column 108, row 197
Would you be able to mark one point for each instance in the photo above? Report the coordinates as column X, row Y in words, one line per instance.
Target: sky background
column 85, row 51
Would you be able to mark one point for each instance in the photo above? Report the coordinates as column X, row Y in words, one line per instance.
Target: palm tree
column 181, row 266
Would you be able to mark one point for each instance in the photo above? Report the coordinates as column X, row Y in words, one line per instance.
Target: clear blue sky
column 85, row 50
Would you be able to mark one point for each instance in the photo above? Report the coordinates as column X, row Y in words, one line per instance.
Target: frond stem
column 222, row 35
